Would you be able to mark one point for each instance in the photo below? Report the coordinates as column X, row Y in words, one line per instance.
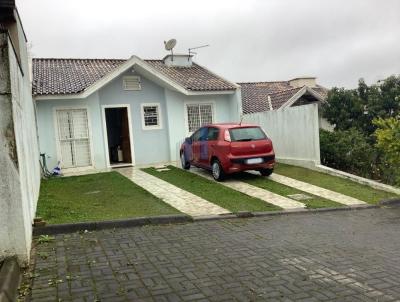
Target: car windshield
column 246, row 134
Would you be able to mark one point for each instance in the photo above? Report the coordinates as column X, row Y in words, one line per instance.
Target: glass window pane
column 193, row 117
column 247, row 134
column 150, row 114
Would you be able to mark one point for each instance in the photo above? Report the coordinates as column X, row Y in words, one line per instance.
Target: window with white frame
column 198, row 115
column 151, row 117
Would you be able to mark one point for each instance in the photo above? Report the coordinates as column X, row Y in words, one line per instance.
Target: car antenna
column 241, row 120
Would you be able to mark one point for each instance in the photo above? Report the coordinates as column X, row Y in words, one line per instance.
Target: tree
column 348, row 150
column 388, row 141
column 357, row 108
column 343, row 108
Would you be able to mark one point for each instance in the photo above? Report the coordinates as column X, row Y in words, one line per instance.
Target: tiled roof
column 69, row 76
column 322, row 91
column 255, row 95
column 195, row 78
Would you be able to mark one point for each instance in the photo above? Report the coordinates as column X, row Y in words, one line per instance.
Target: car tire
column 185, row 164
column 217, row 170
column 266, row 172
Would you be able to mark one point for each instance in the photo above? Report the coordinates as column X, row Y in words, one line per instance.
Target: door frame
column 103, row 113
column 58, row 147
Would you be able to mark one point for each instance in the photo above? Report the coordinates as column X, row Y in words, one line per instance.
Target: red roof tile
column 255, row 95
column 69, row 76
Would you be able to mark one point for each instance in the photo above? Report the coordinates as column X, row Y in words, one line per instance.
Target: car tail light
column 227, row 136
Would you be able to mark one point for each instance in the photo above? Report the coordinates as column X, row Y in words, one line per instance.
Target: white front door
column 73, row 136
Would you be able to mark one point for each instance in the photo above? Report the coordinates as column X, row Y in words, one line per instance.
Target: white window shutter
column 131, row 83
column 73, row 136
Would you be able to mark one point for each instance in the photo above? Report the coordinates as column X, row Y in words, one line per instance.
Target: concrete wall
column 19, row 156
column 294, row 132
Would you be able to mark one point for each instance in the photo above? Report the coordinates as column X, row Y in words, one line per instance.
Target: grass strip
column 96, row 197
column 264, row 183
column 334, row 183
column 212, row 191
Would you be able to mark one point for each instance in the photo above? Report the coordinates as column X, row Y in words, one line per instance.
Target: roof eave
column 134, row 60
column 74, row 96
column 299, row 94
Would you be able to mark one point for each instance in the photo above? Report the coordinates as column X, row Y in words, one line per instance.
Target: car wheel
column 217, row 171
column 266, row 172
column 185, row 164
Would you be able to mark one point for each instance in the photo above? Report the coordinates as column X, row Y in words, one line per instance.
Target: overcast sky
column 250, row 40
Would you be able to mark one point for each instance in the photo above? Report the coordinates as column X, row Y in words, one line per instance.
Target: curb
column 172, row 219
column 390, row 202
column 109, row 224
column 10, row 276
column 358, row 179
column 214, row 217
column 313, row 211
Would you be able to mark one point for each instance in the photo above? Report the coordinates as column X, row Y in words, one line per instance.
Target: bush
column 348, row 150
column 388, row 142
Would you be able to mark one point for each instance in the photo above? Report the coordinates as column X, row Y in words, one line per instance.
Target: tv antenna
column 169, row 45
column 191, row 52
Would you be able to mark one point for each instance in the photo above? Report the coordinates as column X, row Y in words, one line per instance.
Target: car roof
column 231, row 125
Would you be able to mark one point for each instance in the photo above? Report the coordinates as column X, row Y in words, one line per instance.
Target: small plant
column 43, row 255
column 54, row 282
column 45, row 239
column 33, row 275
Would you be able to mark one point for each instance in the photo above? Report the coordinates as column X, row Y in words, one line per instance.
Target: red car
column 229, row 148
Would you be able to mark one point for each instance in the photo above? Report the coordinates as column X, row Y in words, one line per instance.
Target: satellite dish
column 170, row 44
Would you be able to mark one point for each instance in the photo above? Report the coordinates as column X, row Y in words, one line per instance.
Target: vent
column 132, row 83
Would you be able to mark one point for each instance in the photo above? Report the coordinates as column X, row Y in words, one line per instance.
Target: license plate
column 252, row 161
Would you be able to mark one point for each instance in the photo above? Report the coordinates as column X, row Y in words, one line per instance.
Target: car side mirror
column 188, row 140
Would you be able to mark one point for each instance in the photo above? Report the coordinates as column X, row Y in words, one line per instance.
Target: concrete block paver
column 315, row 190
column 272, row 198
column 182, row 200
column 331, row 256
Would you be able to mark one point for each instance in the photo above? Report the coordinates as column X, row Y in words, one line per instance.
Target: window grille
column 199, row 115
column 73, row 135
column 151, row 116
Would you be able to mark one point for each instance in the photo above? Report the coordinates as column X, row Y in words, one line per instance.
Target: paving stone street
column 327, row 256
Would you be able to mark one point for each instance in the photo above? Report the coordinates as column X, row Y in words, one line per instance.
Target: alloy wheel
column 216, row 170
column 183, row 161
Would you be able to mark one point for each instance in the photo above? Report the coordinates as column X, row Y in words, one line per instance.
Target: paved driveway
column 342, row 256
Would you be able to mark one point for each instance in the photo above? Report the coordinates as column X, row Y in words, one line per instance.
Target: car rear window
column 246, row 134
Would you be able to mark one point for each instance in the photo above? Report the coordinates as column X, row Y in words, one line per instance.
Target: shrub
column 348, row 150
column 388, row 141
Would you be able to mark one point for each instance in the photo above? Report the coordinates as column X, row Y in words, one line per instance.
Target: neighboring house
column 266, row 96
column 19, row 153
column 98, row 113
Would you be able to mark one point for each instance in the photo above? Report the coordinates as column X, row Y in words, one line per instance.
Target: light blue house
column 99, row 113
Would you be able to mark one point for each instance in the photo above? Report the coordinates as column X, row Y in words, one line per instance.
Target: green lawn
column 280, row 189
column 95, row 197
column 337, row 184
column 212, row 191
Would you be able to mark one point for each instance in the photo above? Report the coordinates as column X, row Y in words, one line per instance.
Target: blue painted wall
column 47, row 130
column 150, row 146
column 225, row 110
